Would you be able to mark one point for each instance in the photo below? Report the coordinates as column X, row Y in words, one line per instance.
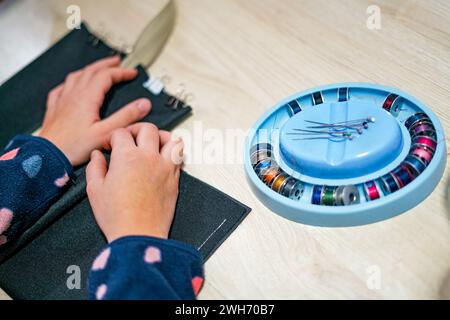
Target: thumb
column 129, row 114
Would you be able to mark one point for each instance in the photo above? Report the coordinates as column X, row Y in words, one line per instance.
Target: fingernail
column 144, row 106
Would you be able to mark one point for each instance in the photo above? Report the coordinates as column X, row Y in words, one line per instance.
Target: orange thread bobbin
column 278, row 182
column 270, row 174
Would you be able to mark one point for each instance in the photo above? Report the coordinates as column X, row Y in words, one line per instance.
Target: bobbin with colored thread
column 371, row 190
column 342, row 94
column 259, row 156
column 411, row 174
column 260, row 152
column 420, row 122
column 328, row 197
column 292, row 189
column 392, row 104
column 423, row 129
column 425, row 142
column 263, row 165
column 279, row 181
column 263, row 171
column 389, row 183
column 415, row 165
column 270, row 174
column 346, row 195
column 316, row 194
column 294, row 107
column 416, row 118
column 317, row 98
column 261, row 146
column 403, row 176
column 397, row 179
column 422, row 153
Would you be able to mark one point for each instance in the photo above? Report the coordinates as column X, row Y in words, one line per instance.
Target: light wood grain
column 241, row 57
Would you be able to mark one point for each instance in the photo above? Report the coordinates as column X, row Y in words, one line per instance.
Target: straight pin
column 358, row 128
column 369, row 119
column 364, row 125
column 321, row 132
column 324, row 137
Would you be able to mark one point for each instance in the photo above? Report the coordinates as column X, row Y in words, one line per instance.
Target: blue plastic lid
column 338, row 157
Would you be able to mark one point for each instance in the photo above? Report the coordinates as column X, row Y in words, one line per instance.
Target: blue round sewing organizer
column 345, row 154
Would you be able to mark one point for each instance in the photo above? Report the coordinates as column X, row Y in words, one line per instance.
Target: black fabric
column 204, row 218
column 34, row 267
column 23, row 97
column 162, row 114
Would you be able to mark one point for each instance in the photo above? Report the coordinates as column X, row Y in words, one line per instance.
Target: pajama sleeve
column 33, row 173
column 144, row 268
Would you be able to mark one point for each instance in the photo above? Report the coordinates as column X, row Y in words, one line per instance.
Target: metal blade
column 152, row 39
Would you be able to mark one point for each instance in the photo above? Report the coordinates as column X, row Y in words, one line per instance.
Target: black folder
column 39, row 263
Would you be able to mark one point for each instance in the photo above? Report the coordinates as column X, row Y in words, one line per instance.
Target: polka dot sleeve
column 33, row 173
column 143, row 268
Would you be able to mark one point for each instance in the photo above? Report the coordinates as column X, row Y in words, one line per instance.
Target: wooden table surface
column 241, row 57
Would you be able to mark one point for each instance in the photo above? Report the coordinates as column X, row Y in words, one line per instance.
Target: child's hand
column 137, row 194
column 72, row 120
